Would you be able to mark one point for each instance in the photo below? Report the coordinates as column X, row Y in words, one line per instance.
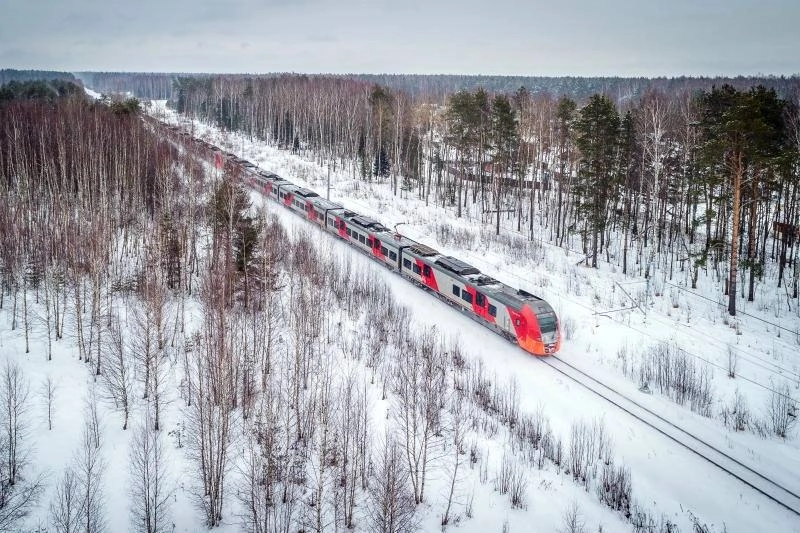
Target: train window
column 348, row 232
column 492, row 310
column 456, row 290
column 416, row 269
column 362, row 239
column 384, row 251
column 406, row 263
column 480, row 299
column 467, row 297
column 393, row 256
column 331, row 222
column 547, row 323
column 426, row 270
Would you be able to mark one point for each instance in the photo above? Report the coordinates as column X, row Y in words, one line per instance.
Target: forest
column 696, row 180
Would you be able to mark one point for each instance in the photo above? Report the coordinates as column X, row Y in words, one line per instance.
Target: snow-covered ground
column 667, row 480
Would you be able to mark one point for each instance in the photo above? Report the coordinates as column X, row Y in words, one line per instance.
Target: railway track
column 783, row 496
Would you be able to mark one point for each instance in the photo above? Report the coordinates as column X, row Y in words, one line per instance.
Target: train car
column 319, row 209
column 391, row 248
column 361, row 232
column 416, row 265
column 298, row 199
column 515, row 314
column 337, row 222
column 268, row 183
column 280, row 189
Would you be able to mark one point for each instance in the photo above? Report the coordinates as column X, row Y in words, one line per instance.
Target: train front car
column 536, row 326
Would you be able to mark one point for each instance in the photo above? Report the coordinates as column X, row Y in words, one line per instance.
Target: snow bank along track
column 776, row 492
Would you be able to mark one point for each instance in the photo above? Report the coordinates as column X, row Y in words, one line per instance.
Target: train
column 517, row 315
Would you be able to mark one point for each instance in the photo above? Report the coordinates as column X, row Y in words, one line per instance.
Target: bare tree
column 89, row 469
column 209, row 429
column 65, row 508
column 18, row 492
column 268, row 495
column 391, row 504
column 572, row 521
column 781, row 411
column 418, row 387
column 48, row 393
column 457, row 429
column 14, row 390
column 150, row 338
column 93, row 424
column 118, row 374
column 149, row 491
column 351, row 444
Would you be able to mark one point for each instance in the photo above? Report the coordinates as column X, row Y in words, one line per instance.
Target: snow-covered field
column 602, row 340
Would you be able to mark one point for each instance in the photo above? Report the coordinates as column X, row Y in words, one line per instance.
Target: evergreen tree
column 597, row 131
column 743, row 135
column 463, row 118
column 504, row 143
column 381, row 167
column 236, row 230
column 565, row 116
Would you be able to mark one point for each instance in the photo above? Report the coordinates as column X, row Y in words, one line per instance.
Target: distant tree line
column 579, row 88
column 38, row 90
column 8, row 75
column 437, row 87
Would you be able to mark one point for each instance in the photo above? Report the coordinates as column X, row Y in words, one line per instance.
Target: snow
column 667, row 480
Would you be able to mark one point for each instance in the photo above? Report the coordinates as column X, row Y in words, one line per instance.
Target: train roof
column 367, row 223
column 322, row 203
column 517, row 298
column 457, row 266
column 395, row 239
column 269, row 175
column 423, row 250
column 305, row 193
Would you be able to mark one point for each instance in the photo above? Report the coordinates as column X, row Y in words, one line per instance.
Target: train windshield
column 547, row 323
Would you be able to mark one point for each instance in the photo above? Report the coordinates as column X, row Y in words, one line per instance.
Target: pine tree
column 380, row 167
column 597, row 130
column 743, row 135
column 504, row 142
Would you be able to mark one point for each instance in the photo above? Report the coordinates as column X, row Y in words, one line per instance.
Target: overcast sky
column 519, row 37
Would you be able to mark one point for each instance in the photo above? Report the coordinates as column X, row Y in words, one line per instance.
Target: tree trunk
column 735, row 223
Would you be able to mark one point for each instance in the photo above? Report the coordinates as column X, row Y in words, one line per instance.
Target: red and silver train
column 516, row 314
column 513, row 313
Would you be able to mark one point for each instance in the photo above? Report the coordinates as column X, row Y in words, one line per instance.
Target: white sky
column 514, row 37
